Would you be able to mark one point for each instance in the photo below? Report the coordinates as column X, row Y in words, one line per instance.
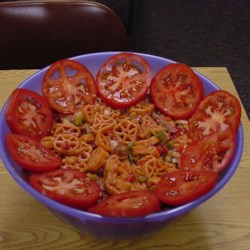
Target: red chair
column 34, row 34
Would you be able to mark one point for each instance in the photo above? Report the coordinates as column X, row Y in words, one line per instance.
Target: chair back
column 34, row 34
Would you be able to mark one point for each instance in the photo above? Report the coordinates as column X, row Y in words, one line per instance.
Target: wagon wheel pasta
column 84, row 149
column 66, row 144
column 152, row 169
column 126, row 131
column 102, row 122
column 89, row 112
column 78, row 161
column 66, row 128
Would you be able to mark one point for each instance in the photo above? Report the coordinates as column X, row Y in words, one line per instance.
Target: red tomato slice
column 217, row 111
column 123, row 80
column 28, row 113
column 68, row 85
column 31, row 154
column 130, row 204
column 67, row 186
column 212, row 152
column 176, row 91
column 180, row 187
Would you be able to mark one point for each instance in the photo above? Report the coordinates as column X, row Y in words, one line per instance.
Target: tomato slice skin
column 31, row 154
column 217, row 111
column 176, row 90
column 29, row 114
column 123, row 80
column 67, row 186
column 68, row 85
column 212, row 152
column 183, row 186
column 129, row 204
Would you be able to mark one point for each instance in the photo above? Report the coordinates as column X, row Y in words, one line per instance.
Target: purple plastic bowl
column 102, row 226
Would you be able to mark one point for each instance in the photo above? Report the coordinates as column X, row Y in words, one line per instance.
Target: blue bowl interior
column 93, row 62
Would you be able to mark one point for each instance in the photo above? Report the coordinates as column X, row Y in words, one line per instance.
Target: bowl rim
column 158, row 216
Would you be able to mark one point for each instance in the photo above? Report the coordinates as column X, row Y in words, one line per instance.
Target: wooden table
column 223, row 222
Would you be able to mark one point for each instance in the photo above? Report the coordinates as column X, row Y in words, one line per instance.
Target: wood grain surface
column 221, row 223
